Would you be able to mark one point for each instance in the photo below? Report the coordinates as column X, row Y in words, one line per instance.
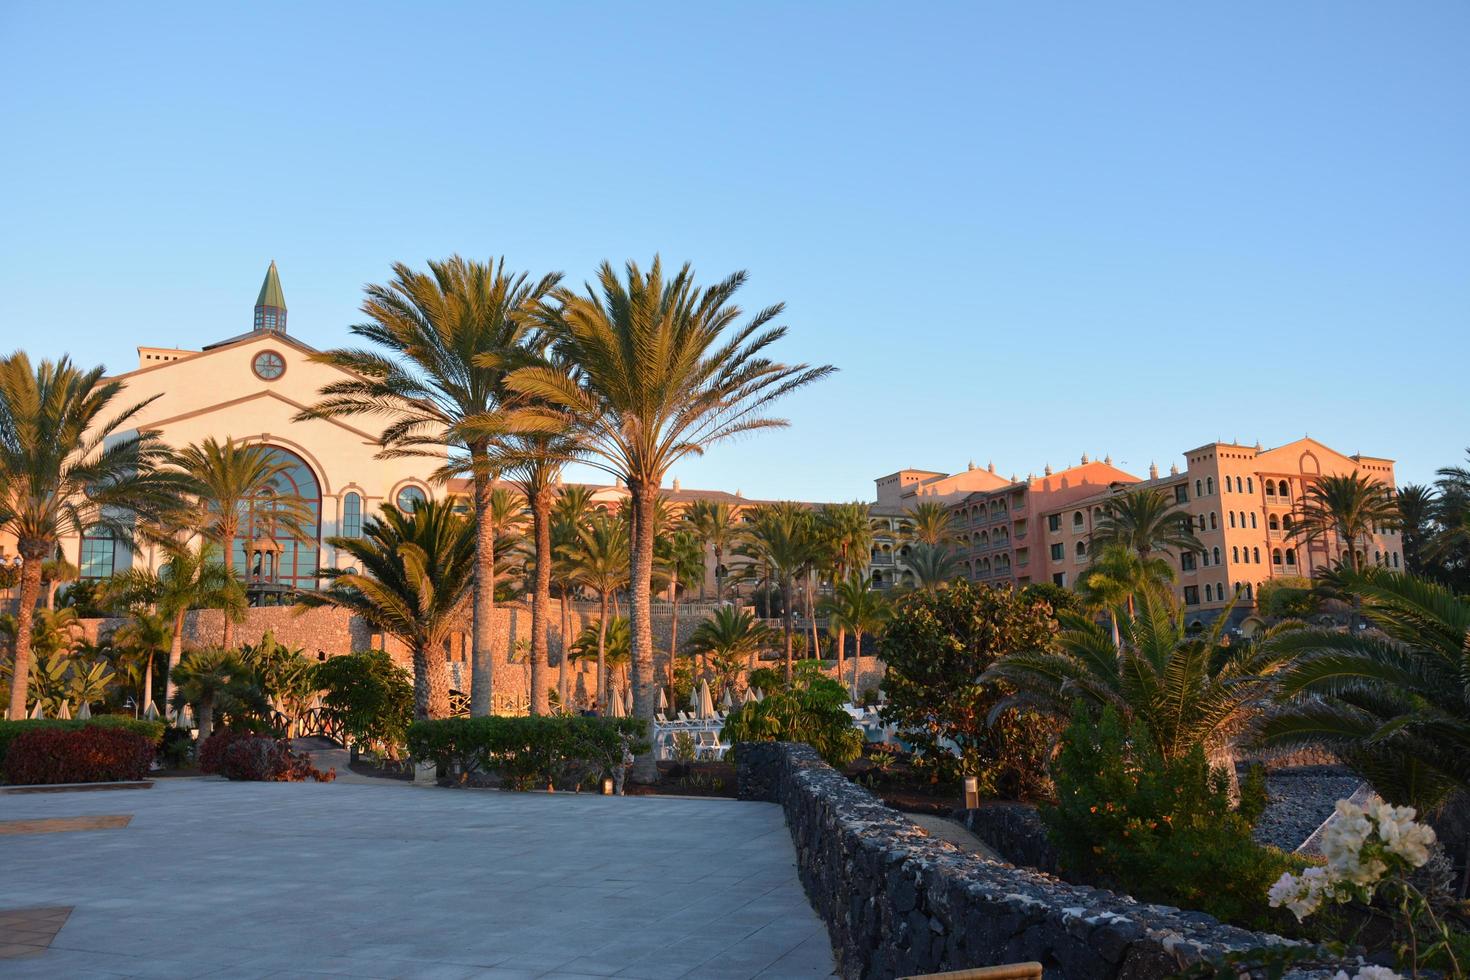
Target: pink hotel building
column 1243, row 501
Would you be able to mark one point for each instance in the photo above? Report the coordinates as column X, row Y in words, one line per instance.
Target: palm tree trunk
column 540, row 599
column 147, row 682
column 787, row 624
column 30, row 591
column 175, row 654
column 857, row 658
column 430, row 683
column 602, row 657
column 719, row 579
column 562, row 691
column 645, row 690
column 673, row 631
column 482, row 652
column 811, row 612
column 206, row 718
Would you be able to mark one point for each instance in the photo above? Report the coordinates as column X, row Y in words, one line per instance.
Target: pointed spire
column 270, row 305
column 1153, row 471
column 990, row 466
column 1084, row 459
column 1173, row 469
column 1108, row 459
column 1047, row 471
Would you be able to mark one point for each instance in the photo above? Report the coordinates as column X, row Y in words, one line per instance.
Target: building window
column 1291, row 556
column 1215, row 556
column 1077, row 522
column 1395, row 559
column 1286, row 522
column 1250, row 485
column 1272, row 523
column 1191, row 595
column 1209, row 594
column 295, row 560
column 1054, row 522
column 1081, row 549
column 1258, row 555
column 1209, row 485
column 1058, row 552
column 1276, row 556
column 268, row 365
column 99, row 554
column 1199, row 488
column 1181, row 494
column 1186, row 561
column 1283, row 488
column 1232, row 518
column 1059, row 578
column 1235, row 554
column 1214, row 524
column 410, row 497
column 1253, row 520
column 352, row 516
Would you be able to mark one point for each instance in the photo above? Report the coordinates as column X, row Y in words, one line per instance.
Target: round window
column 410, row 497
column 268, row 365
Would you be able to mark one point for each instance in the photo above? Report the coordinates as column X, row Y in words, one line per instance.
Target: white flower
column 1401, row 835
column 1376, row 973
column 1303, row 895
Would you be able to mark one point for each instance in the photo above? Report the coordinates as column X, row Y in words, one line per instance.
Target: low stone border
column 898, row 902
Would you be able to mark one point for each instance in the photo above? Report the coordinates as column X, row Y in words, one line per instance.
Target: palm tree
column 429, row 375
column 1351, row 507
column 846, row 532
column 682, row 559
column 856, row 606
column 934, row 566
column 144, row 636
column 1186, row 690
column 601, row 561
column 1417, row 512
column 211, row 679
column 662, row 372
column 929, row 522
column 1393, row 701
column 55, row 571
column 69, row 464
column 606, row 640
column 715, row 525
column 415, row 570
column 1116, row 576
column 191, row 578
column 568, row 514
column 732, row 638
column 230, row 478
column 779, row 538
column 1144, row 521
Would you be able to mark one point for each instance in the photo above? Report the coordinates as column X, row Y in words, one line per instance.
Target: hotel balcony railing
column 881, row 559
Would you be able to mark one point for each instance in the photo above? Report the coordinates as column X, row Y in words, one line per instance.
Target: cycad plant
column 1350, row 507
column 415, row 570
column 1185, row 689
column 216, row 681
column 425, row 373
column 663, row 370
column 71, row 461
column 1394, row 701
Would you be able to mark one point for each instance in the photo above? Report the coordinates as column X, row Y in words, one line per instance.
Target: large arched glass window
column 352, row 516
column 296, row 559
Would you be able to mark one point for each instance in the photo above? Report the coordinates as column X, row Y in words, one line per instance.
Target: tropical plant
column 809, row 710
column 1144, row 522
column 600, row 561
column 572, row 506
column 232, row 480
column 609, row 642
column 934, row 566
column 730, row 640
column 845, row 533
column 1393, row 702
column 215, row 680
column 1287, row 597
column 415, row 569
column 191, row 578
column 681, row 558
column 1416, row 522
column 715, row 525
column 779, row 540
column 659, row 376
column 855, row 605
column 1350, row 507
column 937, row 648
column 369, row 696
column 1116, row 576
column 1185, row 689
column 140, row 639
column 284, row 675
column 71, row 462
column 429, row 373
column 931, row 523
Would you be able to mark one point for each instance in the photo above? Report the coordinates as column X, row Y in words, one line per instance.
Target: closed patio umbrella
column 185, row 718
column 84, row 712
column 615, row 707
column 64, row 712
column 726, row 701
column 749, row 697
column 760, row 695
column 151, row 712
column 706, row 703
column 36, row 712
column 663, row 701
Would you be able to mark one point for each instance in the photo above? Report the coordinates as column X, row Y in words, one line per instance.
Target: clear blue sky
column 1023, row 231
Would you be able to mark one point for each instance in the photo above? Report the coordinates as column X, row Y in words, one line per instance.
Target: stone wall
column 1015, row 831
column 898, row 902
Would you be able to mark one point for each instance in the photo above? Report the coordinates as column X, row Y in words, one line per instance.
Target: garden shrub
column 936, row 647
column 260, row 758
column 562, row 751
column 369, row 696
column 9, row 730
column 91, row 754
column 1159, row 829
column 810, row 710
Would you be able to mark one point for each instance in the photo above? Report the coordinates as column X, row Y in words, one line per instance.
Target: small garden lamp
column 972, row 792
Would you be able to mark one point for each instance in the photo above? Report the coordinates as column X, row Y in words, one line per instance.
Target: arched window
column 1209, row 484
column 1214, row 524
column 1291, row 556
column 1395, row 559
column 99, row 554
column 1237, row 485
column 410, row 497
column 1077, row 520
column 1215, row 554
column 1273, row 523
column 1258, row 555
column 1235, row 554
column 1199, row 489
column 1081, row 549
column 1283, row 488
column 1276, row 556
column 352, row 516
column 1232, row 518
column 1209, row 592
column 297, row 557
column 1253, row 520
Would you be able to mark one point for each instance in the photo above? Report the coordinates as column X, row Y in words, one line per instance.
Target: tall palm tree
column 601, row 562
column 933, row 565
column 572, row 506
column 779, row 537
column 415, row 570
column 731, row 639
column 855, row 605
column 1116, row 576
column 1393, row 701
column 428, row 373
column 229, row 478
column 682, row 559
column 193, row 577
column 1144, row 522
column 1417, row 512
column 717, row 528
column 1350, row 507
column 929, row 522
column 144, row 636
column 846, row 532
column 70, row 463
column 1186, row 690
column 663, row 371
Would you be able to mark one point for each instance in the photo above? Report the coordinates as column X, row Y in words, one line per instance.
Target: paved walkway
column 957, row 834
column 275, row 879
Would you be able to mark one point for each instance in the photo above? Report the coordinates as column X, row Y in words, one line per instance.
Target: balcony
column 881, row 560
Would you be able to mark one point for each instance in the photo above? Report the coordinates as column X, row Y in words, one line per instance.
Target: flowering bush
column 1375, row 848
column 250, row 757
column 84, row 755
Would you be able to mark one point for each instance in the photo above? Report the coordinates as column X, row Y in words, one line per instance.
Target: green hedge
column 152, row 730
column 529, row 752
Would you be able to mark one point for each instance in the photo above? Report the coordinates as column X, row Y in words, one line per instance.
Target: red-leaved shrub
column 258, row 758
column 86, row 755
